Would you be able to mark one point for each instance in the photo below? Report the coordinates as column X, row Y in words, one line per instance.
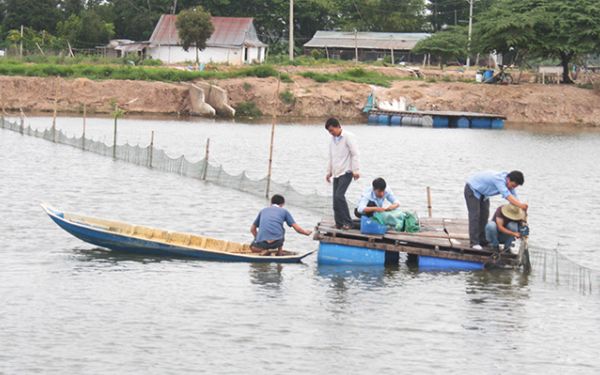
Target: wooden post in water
column 115, row 132
column 206, row 153
column 54, row 120
column 268, row 190
column 151, row 149
column 84, row 123
column 429, row 211
column 22, row 120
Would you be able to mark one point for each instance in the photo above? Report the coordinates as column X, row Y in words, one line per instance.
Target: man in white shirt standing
column 343, row 167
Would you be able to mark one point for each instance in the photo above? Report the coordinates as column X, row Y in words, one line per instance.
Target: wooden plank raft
column 439, row 237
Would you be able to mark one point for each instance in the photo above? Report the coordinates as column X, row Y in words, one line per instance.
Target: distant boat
column 142, row 240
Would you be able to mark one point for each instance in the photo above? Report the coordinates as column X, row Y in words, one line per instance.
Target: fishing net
column 555, row 268
column 154, row 158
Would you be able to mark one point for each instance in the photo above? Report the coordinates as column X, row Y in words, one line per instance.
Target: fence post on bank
column 268, row 190
column 206, row 153
column 429, row 201
column 151, row 149
column 83, row 133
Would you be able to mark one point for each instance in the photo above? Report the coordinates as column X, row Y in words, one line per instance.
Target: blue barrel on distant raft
column 460, row 122
column 481, row 123
column 383, row 119
column 412, row 121
column 440, row 122
column 372, row 120
column 498, row 123
column 396, row 121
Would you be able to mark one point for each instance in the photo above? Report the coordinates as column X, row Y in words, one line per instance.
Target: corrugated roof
column 229, row 31
column 367, row 40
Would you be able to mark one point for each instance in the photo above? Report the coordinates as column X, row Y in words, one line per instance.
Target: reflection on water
column 71, row 308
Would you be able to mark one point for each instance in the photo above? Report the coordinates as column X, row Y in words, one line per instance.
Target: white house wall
column 176, row 54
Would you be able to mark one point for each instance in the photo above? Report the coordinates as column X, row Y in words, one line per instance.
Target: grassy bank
column 138, row 73
column 357, row 75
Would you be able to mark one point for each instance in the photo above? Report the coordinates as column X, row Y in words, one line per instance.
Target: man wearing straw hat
column 343, row 166
column 478, row 190
column 504, row 226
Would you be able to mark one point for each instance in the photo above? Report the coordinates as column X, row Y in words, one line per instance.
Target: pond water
column 70, row 308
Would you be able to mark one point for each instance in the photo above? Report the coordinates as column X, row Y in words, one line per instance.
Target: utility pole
column 174, row 7
column 291, row 25
column 356, row 46
column 470, row 31
column 21, row 45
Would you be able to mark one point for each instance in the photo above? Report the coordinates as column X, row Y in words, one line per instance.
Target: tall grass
column 139, row 73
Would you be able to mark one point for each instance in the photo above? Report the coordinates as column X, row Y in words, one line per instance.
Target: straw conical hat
column 513, row 212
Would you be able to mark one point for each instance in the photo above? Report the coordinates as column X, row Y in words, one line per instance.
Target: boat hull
column 133, row 245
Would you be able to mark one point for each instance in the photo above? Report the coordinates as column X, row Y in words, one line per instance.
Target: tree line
column 88, row 23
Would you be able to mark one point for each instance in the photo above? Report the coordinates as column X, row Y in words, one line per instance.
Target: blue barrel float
column 481, row 123
column 459, row 122
column 372, row 120
column 488, row 74
column 432, row 263
column 440, row 122
column 383, row 119
column 396, row 120
column 498, row 123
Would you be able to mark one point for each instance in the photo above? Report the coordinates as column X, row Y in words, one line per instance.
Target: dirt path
column 529, row 103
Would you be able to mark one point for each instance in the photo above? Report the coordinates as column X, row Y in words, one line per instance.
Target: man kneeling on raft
column 374, row 197
column 268, row 230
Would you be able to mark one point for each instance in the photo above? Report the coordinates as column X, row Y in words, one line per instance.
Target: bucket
column 369, row 226
column 478, row 77
column 488, row 74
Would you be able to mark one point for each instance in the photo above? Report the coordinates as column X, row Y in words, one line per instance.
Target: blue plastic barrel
column 481, row 123
column 433, row 263
column 372, row 120
column 383, row 120
column 488, row 74
column 334, row 254
column 498, row 123
column 440, row 122
column 463, row 123
column 396, row 120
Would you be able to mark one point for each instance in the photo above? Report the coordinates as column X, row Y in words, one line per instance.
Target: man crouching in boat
column 267, row 228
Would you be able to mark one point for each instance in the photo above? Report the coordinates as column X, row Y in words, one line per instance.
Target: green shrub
column 247, row 109
column 247, row 86
column 287, row 97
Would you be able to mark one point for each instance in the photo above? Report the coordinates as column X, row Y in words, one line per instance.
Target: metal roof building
column 370, row 45
column 234, row 41
column 229, row 32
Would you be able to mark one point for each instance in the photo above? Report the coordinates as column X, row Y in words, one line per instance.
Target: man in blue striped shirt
column 478, row 189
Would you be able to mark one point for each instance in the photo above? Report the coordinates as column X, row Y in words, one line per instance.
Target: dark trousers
column 479, row 212
column 340, row 206
column 359, row 215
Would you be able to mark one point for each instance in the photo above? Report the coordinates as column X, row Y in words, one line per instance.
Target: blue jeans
column 494, row 236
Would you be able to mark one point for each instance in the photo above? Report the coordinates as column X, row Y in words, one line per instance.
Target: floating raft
column 437, row 119
column 441, row 244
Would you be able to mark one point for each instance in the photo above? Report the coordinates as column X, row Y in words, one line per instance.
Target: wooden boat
column 137, row 239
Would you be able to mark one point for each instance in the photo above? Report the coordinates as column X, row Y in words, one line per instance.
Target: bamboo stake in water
column 206, row 153
column 429, row 201
column 22, row 119
column 84, row 123
column 151, row 149
column 272, row 139
column 115, row 132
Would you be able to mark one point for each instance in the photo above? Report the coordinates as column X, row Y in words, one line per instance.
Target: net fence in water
column 552, row 266
column 157, row 159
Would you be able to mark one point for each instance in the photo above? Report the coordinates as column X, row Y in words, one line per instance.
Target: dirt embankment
column 531, row 103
